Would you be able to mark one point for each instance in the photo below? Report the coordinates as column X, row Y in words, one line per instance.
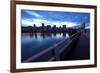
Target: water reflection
column 32, row 43
column 45, row 35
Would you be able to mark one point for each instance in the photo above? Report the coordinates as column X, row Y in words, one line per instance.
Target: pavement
column 81, row 50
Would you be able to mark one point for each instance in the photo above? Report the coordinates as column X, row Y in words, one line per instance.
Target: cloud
column 28, row 22
column 34, row 14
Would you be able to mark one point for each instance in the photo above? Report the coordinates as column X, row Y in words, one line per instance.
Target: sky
column 70, row 19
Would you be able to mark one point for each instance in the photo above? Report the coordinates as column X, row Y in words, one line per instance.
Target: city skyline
column 70, row 19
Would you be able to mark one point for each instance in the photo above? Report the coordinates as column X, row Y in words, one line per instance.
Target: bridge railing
column 54, row 52
column 62, row 49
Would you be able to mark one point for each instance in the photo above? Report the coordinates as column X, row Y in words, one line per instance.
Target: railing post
column 56, row 54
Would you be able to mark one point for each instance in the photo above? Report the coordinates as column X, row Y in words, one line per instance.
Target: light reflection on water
column 32, row 43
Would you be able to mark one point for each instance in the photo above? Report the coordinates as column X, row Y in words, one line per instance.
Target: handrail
column 50, row 48
column 59, row 51
column 69, row 41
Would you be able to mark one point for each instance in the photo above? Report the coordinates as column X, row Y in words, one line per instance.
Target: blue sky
column 70, row 19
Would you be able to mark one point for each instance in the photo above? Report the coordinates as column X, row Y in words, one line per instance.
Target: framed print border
column 13, row 35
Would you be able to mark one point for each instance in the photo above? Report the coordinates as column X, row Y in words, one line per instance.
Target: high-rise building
column 64, row 28
column 34, row 28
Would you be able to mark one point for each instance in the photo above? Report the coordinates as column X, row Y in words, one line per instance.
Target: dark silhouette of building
column 54, row 28
column 34, row 28
column 64, row 28
column 43, row 28
column 27, row 29
column 49, row 29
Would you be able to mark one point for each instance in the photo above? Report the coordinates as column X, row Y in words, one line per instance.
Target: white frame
column 51, row 64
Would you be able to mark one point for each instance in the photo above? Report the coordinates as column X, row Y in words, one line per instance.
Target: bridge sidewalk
column 82, row 48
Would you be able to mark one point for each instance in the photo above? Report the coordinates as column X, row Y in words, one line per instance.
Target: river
column 33, row 43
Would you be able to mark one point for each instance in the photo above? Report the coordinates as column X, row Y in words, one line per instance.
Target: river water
column 33, row 43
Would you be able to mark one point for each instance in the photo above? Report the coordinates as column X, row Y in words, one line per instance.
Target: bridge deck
column 81, row 50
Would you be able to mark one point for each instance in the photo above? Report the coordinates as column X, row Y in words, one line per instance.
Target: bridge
column 75, row 47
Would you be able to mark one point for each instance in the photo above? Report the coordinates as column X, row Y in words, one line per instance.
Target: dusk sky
column 70, row 19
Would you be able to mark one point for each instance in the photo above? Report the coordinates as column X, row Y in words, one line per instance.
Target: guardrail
column 66, row 48
column 54, row 51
